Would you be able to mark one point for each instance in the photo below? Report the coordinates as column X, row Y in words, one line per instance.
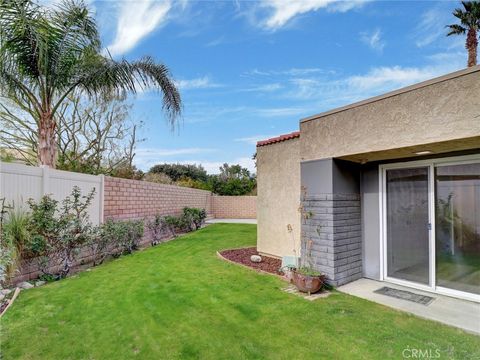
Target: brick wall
column 134, row 199
column 334, row 229
column 234, row 207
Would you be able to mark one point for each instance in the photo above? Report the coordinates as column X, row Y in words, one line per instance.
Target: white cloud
column 427, row 29
column 280, row 112
column 197, row 83
column 327, row 92
column 302, row 71
column 373, row 39
column 264, row 88
column 283, row 11
column 393, row 77
column 137, row 19
column 431, row 27
column 252, row 140
column 285, row 72
column 305, row 88
column 216, row 42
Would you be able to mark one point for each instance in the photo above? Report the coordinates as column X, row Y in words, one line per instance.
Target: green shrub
column 158, row 226
column 173, row 223
column 16, row 231
column 99, row 245
column 57, row 239
column 193, row 218
column 7, row 248
column 123, row 236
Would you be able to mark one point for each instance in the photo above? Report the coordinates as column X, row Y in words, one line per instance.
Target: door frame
column 430, row 164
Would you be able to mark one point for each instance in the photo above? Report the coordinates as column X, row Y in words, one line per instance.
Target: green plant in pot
column 306, row 278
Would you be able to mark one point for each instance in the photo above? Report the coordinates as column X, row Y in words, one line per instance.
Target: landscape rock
column 39, row 283
column 5, row 291
column 25, row 285
column 2, row 297
column 256, row 258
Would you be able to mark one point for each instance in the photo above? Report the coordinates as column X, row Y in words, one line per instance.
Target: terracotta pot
column 307, row 283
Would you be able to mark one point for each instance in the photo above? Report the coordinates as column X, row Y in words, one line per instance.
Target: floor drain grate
column 405, row 295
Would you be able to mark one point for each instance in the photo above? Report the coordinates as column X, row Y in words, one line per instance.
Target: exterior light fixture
column 426, row 152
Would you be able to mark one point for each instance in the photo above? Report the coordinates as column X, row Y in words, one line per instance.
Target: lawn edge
column 245, row 266
column 15, row 295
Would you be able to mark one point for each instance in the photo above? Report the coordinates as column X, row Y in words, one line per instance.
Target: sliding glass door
column 457, row 208
column 408, row 224
column 431, row 225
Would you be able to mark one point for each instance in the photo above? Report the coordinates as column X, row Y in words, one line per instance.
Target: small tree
column 232, row 180
column 76, row 227
column 177, row 172
column 56, row 240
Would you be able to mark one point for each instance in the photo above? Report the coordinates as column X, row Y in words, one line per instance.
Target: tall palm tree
column 469, row 18
column 46, row 54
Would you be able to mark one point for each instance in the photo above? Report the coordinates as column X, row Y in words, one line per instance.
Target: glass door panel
column 457, row 227
column 407, row 210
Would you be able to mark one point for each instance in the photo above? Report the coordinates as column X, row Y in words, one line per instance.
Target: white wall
column 18, row 183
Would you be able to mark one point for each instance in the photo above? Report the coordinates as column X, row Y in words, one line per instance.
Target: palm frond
column 456, row 29
column 102, row 76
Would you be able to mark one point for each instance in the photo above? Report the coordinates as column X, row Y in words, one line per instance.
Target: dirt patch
column 242, row 256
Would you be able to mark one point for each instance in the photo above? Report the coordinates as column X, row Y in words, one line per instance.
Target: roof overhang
column 471, row 143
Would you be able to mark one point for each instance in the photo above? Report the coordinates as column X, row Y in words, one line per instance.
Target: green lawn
column 179, row 301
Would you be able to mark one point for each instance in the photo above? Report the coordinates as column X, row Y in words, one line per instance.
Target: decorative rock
column 2, row 297
column 25, row 285
column 256, row 258
column 39, row 283
column 5, row 291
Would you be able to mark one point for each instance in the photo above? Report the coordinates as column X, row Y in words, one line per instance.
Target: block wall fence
column 115, row 198
column 234, row 207
column 134, row 199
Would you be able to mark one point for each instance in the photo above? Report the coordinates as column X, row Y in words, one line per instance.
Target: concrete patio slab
column 232, row 221
column 455, row 312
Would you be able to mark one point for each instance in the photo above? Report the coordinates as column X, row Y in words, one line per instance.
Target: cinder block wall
column 134, row 199
column 234, row 207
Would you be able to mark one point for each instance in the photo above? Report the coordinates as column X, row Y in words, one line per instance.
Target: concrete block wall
column 331, row 228
column 234, row 207
column 134, row 199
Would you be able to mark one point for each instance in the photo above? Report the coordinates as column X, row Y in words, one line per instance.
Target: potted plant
column 308, row 280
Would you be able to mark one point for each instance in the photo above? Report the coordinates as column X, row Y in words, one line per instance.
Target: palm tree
column 46, row 54
column 470, row 24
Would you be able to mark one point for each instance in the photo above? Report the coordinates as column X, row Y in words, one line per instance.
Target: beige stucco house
column 391, row 186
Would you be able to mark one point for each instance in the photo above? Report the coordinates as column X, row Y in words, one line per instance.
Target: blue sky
column 251, row 70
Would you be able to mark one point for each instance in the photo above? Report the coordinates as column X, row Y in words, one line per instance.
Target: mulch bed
column 242, row 256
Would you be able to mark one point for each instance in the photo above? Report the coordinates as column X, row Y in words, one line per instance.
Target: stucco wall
column 441, row 111
column 278, row 199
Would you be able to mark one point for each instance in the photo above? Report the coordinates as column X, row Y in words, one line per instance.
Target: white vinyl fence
column 18, row 183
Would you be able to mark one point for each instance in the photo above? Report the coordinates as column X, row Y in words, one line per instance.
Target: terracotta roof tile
column 280, row 138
